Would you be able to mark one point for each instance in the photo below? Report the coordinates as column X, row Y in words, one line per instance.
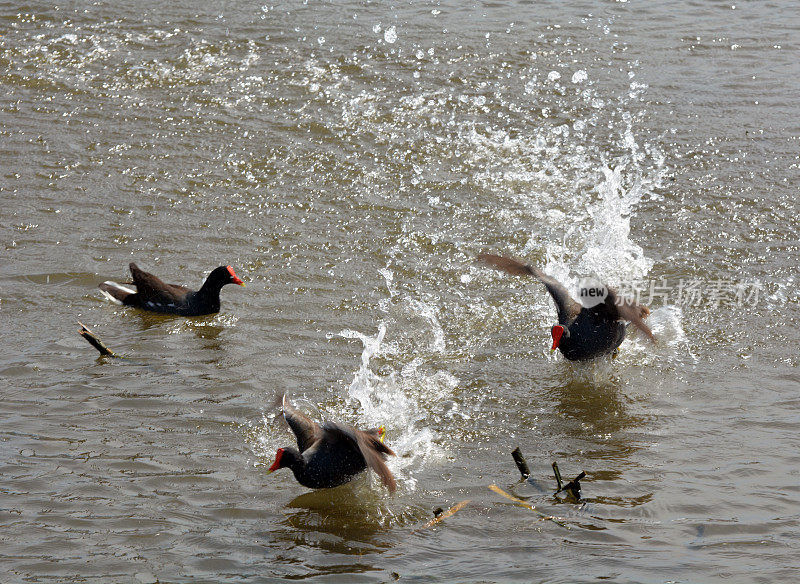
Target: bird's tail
column 375, row 439
column 115, row 292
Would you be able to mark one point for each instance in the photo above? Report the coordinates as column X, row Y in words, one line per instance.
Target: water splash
column 597, row 230
column 608, row 248
column 397, row 401
column 666, row 324
column 404, row 391
column 389, row 401
column 393, row 387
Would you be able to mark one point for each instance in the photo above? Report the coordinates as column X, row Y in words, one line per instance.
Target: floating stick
column 96, row 342
column 442, row 515
column 521, row 464
column 558, row 474
column 527, row 505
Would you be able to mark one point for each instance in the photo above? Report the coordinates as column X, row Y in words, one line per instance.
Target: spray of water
column 404, row 392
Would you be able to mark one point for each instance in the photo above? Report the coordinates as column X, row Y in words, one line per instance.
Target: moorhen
column 331, row 454
column 582, row 332
column 154, row 295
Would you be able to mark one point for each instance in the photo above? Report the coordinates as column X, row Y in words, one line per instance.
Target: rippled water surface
column 350, row 160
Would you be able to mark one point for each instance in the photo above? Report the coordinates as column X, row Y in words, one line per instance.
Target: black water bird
column 154, row 295
column 582, row 332
column 331, row 454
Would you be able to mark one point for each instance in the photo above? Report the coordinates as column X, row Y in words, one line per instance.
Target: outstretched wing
column 304, row 428
column 151, row 288
column 372, row 449
column 629, row 310
column 566, row 306
column 375, row 453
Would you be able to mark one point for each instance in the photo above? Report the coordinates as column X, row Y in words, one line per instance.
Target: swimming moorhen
column 154, row 295
column 331, row 454
column 582, row 333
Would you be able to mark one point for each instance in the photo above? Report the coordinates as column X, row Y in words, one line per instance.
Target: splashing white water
column 608, row 248
column 597, row 233
column 399, row 393
column 401, row 396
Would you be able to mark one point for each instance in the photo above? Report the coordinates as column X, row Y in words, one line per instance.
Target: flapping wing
column 304, row 428
column 629, row 310
column 372, row 449
column 375, row 452
column 566, row 306
column 150, row 287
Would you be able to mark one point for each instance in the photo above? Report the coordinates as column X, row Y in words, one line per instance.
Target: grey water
column 350, row 160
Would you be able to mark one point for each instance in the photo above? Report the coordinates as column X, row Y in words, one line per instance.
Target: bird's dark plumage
column 331, row 454
column 581, row 333
column 154, row 295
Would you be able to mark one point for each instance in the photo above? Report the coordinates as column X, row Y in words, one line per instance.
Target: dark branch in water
column 95, row 341
column 558, row 475
column 521, row 464
column 573, row 487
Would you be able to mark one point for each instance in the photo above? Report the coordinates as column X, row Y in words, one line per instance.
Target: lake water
column 350, row 160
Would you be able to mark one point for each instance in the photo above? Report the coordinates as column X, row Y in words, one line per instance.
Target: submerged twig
column 520, row 462
column 442, row 515
column 573, row 487
column 557, row 473
column 527, row 505
column 96, row 342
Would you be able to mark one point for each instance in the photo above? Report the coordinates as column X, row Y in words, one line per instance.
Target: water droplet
column 579, row 76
